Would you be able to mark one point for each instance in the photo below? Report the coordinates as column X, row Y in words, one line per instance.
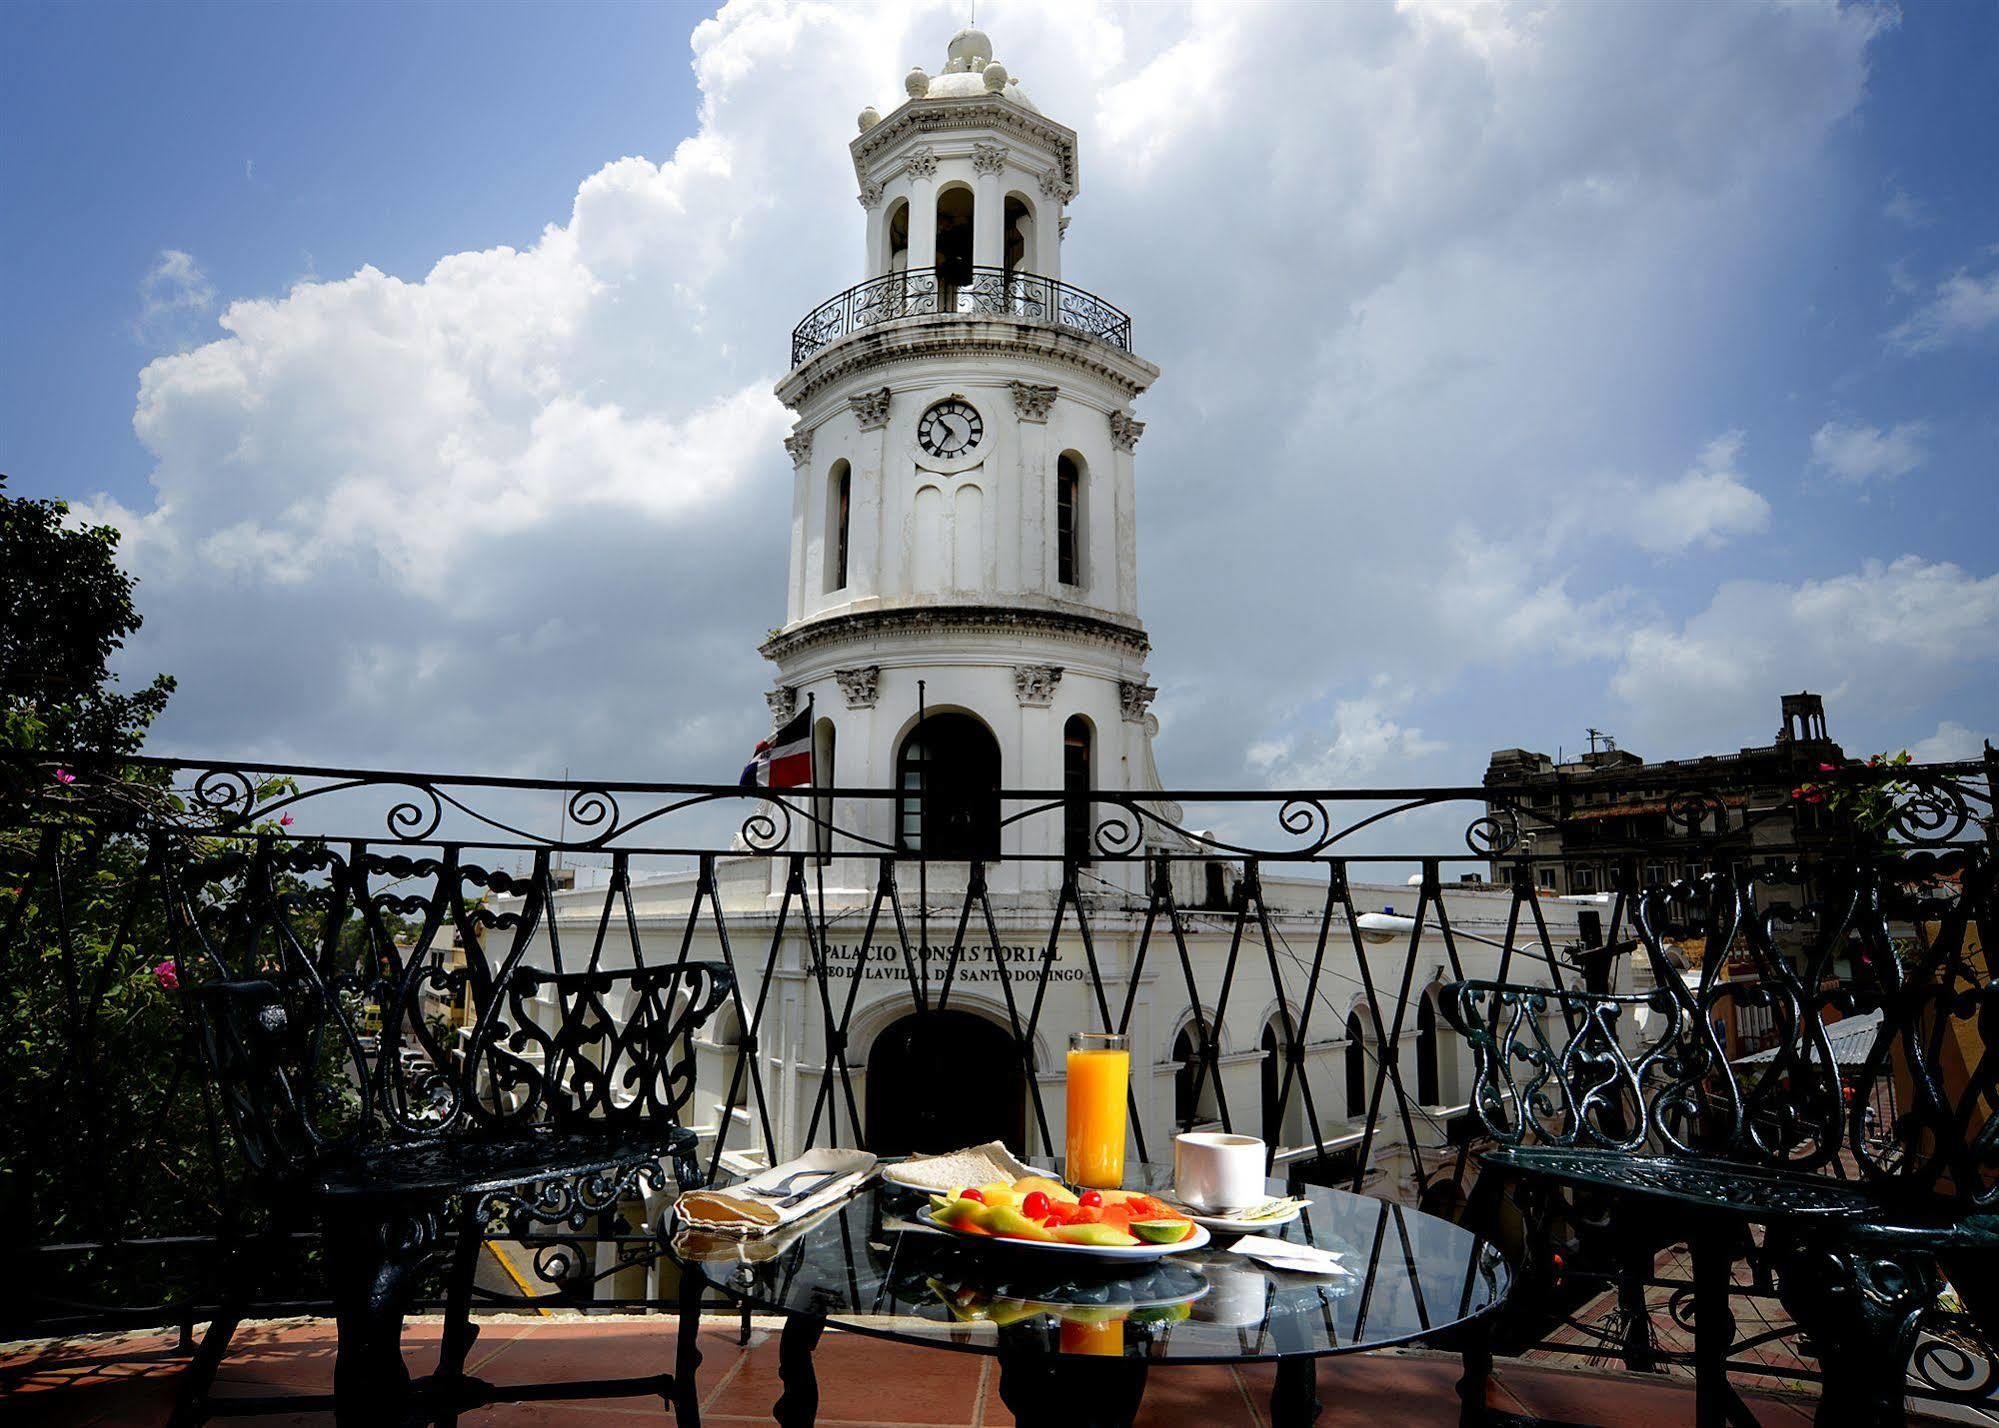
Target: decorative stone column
column 1125, row 432
column 989, row 216
column 1049, row 223
column 798, row 446
column 870, row 551
column 921, row 167
column 1034, row 491
column 875, row 247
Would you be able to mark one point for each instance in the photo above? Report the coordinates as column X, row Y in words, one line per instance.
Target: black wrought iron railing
column 964, row 292
column 1278, row 959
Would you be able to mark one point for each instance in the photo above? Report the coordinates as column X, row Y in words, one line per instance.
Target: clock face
column 951, row 428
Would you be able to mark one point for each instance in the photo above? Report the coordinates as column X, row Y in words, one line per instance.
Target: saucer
column 1221, row 1224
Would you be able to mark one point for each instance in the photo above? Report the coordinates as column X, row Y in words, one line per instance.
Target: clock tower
column 963, row 603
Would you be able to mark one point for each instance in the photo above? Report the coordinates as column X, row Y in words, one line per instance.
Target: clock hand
column 960, row 428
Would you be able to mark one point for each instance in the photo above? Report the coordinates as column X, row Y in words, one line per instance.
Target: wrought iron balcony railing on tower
column 968, row 292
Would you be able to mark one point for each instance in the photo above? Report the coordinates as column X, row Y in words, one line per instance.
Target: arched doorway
column 942, row 1080
column 949, row 776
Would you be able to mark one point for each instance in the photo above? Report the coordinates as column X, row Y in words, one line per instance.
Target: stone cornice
column 913, row 339
column 954, row 620
column 935, row 117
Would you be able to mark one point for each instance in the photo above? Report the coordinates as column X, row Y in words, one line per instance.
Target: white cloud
column 1881, row 644
column 1857, row 453
column 1906, row 210
column 172, row 295
column 1706, row 506
column 1963, row 307
column 1950, row 743
column 1411, row 304
column 1364, row 740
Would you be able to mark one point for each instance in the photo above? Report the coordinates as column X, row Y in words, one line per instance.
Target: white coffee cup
column 1214, row 1170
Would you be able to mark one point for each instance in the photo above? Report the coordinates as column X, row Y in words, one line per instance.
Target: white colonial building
column 961, row 616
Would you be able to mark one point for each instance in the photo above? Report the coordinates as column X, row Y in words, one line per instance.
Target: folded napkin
column 1277, row 1209
column 1289, row 1254
column 734, row 1211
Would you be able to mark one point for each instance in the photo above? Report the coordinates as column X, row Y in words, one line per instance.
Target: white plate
column 1223, row 1225
column 1124, row 1252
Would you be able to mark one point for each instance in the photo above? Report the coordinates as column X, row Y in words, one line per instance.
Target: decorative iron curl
column 227, row 796
column 1492, row 834
column 1118, row 834
column 1306, row 818
column 762, row 832
column 1696, row 810
column 1931, row 814
column 410, row 821
column 588, row 807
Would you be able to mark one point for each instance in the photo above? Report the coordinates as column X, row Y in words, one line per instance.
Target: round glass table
column 1075, row 1338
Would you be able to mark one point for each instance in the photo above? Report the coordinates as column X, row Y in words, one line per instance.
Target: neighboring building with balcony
column 1609, row 814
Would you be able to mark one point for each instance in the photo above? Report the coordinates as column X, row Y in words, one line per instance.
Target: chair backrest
column 321, row 1030
column 1905, row 1096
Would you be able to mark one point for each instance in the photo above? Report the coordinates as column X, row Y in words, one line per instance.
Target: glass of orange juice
column 1099, row 1083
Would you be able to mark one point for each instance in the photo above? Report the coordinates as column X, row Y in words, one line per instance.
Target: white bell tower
column 963, row 601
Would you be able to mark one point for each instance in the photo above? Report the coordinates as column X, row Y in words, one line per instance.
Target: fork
column 782, row 1191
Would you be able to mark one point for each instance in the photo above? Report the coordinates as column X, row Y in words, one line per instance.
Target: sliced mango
column 998, row 1192
column 1102, row 1236
column 965, row 1214
column 1005, row 1220
column 1053, row 1189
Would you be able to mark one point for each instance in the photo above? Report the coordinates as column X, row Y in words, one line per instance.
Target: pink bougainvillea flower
column 1828, row 768
column 65, row 776
column 285, row 821
column 167, row 976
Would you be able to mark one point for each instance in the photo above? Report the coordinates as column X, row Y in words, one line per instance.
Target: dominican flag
column 784, row 760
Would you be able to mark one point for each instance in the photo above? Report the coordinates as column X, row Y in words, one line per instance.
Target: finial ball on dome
column 995, row 77
column 870, row 117
column 970, row 48
column 916, row 82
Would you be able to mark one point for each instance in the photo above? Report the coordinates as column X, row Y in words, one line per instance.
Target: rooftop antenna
column 1596, row 735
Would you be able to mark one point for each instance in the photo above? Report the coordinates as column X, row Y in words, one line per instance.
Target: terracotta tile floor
column 128, row 1379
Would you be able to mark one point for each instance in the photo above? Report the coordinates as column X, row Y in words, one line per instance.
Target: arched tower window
column 1077, row 755
column 895, row 257
column 1427, row 1079
column 1069, row 471
column 1019, row 236
column 954, row 244
column 839, row 508
column 823, row 776
column 948, row 773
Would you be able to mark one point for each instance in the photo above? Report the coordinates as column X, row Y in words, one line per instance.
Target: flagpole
column 923, row 853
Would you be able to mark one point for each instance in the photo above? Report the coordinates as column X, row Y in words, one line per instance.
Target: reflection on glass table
column 1075, row 1339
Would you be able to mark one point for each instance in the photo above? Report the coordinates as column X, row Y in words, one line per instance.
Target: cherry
column 1035, row 1206
column 1090, row 1200
column 971, row 1195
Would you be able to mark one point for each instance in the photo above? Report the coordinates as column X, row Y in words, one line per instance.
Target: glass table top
column 867, row 1267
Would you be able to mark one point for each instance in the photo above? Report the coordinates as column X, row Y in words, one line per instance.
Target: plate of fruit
column 1041, row 1213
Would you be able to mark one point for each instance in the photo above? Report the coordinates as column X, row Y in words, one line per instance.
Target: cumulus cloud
column 1963, row 308
column 173, row 294
column 528, row 509
column 1706, row 506
column 1857, row 453
column 1881, row 644
column 1951, row 742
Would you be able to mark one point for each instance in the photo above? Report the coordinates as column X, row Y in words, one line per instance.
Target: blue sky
column 1524, row 369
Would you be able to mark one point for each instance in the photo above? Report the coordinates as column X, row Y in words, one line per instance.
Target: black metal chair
column 557, row 1103
column 1863, row 1170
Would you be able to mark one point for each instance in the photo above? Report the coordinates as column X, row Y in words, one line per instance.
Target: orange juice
column 1105, row 1338
column 1099, row 1081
